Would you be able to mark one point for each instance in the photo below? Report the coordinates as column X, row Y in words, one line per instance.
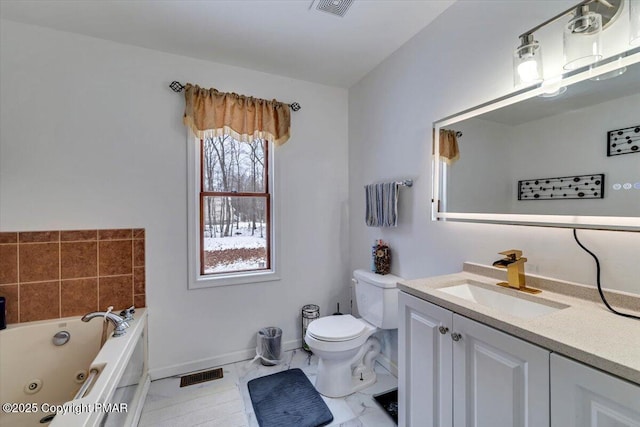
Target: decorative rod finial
column 176, row 86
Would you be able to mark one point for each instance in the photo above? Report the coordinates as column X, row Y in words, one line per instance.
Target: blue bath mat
column 288, row 399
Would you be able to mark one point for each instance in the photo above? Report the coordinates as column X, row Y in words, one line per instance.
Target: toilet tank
column 377, row 298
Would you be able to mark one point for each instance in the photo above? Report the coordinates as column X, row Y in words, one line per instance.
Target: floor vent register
column 201, row 377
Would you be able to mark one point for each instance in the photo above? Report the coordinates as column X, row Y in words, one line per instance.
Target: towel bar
column 405, row 183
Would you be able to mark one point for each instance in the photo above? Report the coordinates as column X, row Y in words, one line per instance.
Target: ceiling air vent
column 334, row 7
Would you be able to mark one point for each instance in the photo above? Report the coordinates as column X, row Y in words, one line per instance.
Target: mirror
column 571, row 160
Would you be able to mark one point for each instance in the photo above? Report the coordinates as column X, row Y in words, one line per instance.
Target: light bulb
column 528, row 71
column 527, row 62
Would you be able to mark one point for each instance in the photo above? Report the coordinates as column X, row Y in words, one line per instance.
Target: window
column 231, row 213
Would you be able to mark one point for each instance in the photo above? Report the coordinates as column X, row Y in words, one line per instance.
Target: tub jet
column 47, row 419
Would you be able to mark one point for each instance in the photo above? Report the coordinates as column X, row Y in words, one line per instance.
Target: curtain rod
column 179, row 87
column 458, row 133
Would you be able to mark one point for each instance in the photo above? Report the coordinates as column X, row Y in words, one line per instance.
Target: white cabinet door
column 583, row 396
column 424, row 371
column 498, row 380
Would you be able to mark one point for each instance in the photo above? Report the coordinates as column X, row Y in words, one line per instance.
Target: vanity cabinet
column 584, row 396
column 425, row 364
column 454, row 371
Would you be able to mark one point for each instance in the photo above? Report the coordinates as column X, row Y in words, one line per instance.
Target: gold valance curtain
column 448, row 146
column 210, row 112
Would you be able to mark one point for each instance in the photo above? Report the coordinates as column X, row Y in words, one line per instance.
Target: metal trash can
column 310, row 312
column 269, row 345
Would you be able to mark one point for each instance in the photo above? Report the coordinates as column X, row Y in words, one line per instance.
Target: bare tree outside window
column 234, row 205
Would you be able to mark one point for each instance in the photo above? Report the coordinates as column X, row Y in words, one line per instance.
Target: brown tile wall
column 53, row 274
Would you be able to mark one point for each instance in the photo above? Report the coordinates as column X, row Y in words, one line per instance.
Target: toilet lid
column 336, row 328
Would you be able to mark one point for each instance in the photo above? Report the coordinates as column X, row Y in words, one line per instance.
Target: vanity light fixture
column 527, row 61
column 582, row 45
column 581, row 39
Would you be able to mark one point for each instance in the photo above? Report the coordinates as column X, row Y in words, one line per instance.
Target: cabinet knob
column 456, row 336
column 443, row 329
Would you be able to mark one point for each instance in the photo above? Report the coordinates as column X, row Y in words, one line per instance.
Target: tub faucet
column 119, row 325
column 514, row 263
column 127, row 313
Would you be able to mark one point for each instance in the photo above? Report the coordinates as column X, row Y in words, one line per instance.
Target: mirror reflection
column 577, row 153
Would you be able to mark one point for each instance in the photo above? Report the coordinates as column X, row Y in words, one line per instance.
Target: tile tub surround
column 585, row 331
column 55, row 274
column 226, row 402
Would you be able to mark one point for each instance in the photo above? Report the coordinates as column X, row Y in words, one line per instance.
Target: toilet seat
column 336, row 328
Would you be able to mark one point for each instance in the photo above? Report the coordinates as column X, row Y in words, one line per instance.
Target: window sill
column 231, row 279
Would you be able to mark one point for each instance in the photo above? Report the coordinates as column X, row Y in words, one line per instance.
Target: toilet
column 344, row 344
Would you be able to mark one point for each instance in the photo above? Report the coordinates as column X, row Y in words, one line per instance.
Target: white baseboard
column 216, row 361
column 388, row 364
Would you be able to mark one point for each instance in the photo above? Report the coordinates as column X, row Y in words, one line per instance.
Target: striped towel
column 381, row 204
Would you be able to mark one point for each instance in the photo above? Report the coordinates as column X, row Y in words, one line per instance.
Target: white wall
column 479, row 181
column 92, row 137
column 461, row 59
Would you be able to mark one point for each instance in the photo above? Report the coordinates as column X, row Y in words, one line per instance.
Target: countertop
column 585, row 330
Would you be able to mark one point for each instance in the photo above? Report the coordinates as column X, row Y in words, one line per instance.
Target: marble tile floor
column 226, row 403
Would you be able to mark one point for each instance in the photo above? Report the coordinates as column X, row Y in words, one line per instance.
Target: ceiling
column 285, row 37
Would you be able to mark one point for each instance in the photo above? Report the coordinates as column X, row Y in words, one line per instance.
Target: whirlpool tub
column 74, row 384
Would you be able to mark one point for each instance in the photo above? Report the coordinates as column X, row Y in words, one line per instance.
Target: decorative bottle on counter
column 382, row 258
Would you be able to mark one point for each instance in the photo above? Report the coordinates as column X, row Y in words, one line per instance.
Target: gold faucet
column 514, row 263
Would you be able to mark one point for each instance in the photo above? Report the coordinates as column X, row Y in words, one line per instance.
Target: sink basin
column 508, row 303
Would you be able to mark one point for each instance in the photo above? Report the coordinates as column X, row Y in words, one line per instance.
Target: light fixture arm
column 579, row 6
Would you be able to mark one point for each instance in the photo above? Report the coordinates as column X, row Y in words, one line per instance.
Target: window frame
column 195, row 210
